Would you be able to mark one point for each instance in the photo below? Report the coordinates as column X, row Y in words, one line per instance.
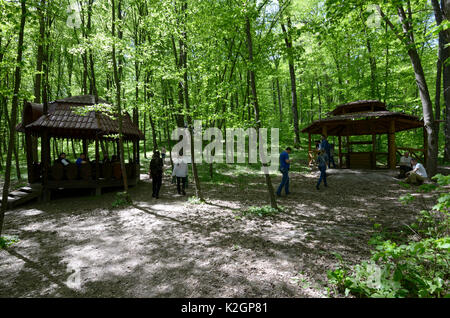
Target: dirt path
column 80, row 247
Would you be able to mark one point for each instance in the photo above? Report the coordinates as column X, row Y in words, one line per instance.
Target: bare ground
column 79, row 246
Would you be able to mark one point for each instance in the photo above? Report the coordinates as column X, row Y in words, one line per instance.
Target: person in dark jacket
column 156, row 171
column 285, row 164
column 325, row 146
column 62, row 159
column 322, row 163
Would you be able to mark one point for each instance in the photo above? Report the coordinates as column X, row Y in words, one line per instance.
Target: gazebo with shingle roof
column 81, row 118
column 365, row 117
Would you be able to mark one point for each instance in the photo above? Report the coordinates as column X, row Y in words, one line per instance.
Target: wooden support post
column 29, row 152
column 347, row 161
column 137, row 172
column 309, row 142
column 45, row 162
column 340, row 151
column 85, row 148
column 392, row 160
column 310, row 153
column 324, row 131
column 374, row 156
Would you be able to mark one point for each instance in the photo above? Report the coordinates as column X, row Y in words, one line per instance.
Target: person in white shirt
column 418, row 174
column 62, row 159
column 180, row 171
column 405, row 165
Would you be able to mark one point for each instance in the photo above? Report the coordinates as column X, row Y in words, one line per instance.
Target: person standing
column 405, row 165
column 322, row 162
column 418, row 174
column 324, row 145
column 285, row 164
column 180, row 171
column 156, row 171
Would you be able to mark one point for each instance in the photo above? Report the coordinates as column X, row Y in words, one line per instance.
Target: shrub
column 194, row 200
column 261, row 211
column 122, row 199
column 7, row 241
column 405, row 269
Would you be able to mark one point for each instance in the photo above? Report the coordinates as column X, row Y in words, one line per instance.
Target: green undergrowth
column 195, row 200
column 263, row 211
column 413, row 263
column 121, row 199
column 7, row 241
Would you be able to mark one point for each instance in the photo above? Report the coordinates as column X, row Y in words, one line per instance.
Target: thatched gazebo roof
column 72, row 118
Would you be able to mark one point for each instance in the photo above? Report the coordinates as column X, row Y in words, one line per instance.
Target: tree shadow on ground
column 171, row 248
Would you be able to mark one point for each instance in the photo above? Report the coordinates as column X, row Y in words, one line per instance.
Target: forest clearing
column 172, row 248
column 224, row 149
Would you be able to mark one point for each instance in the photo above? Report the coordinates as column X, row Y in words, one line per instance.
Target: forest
column 259, row 64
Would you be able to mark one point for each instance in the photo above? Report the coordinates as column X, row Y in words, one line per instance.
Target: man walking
column 156, row 171
column 284, row 168
column 325, row 146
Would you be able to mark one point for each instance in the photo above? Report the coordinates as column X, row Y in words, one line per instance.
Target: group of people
column 180, row 172
column 82, row 159
column 411, row 170
column 324, row 159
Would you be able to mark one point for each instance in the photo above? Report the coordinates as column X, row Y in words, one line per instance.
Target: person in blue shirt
column 322, row 162
column 81, row 160
column 325, row 146
column 284, row 168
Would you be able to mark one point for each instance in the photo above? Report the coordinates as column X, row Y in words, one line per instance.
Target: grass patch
column 263, row 211
column 194, row 200
column 7, row 241
column 122, row 199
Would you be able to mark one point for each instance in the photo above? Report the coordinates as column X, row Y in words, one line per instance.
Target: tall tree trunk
column 320, row 99
column 145, row 139
column 386, row 72
column 294, row 100
column 117, row 80
column 15, row 151
column 407, row 38
column 183, row 56
column 254, row 101
column 152, row 124
column 280, row 104
column 374, row 92
column 15, row 103
column 441, row 12
column 91, row 56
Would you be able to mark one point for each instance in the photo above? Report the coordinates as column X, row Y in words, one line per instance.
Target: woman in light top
column 180, row 171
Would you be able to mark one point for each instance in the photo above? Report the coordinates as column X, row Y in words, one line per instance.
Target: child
column 322, row 162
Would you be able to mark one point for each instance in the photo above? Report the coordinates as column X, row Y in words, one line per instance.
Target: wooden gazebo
column 365, row 117
column 77, row 118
